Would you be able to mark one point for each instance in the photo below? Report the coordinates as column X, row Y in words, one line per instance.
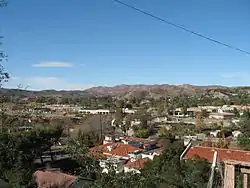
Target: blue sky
column 82, row 43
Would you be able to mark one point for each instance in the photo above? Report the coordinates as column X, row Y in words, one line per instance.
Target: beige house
column 223, row 115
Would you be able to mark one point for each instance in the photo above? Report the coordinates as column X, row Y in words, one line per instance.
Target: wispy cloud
column 44, row 83
column 238, row 75
column 53, row 64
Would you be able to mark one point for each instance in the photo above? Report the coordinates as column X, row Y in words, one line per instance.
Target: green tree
column 199, row 121
column 4, row 76
column 142, row 133
column 88, row 167
column 244, row 124
column 236, row 112
column 119, row 115
column 18, row 150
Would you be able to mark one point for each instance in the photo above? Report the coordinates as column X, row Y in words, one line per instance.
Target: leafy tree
column 168, row 171
column 19, row 149
column 88, row 166
column 166, row 134
column 88, row 139
column 199, row 121
column 142, row 133
column 119, row 115
column 244, row 124
column 204, row 113
column 236, row 112
column 4, row 76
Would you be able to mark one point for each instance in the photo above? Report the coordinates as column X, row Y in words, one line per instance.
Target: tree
column 236, row 112
column 119, row 115
column 142, row 133
column 167, row 170
column 199, row 121
column 166, row 134
column 19, row 149
column 243, row 140
column 4, row 76
column 88, row 166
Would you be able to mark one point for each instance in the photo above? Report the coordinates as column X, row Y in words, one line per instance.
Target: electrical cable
column 182, row 28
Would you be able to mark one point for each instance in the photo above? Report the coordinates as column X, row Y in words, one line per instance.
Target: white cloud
column 236, row 75
column 53, row 64
column 45, row 83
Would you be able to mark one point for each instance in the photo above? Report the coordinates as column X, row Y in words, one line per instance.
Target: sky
column 78, row 44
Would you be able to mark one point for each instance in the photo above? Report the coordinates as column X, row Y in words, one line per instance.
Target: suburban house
column 115, row 163
column 136, row 165
column 231, row 158
column 98, row 111
column 210, row 108
column 192, row 111
column 178, row 112
column 222, row 115
column 152, row 153
column 128, row 111
column 119, row 150
column 125, row 153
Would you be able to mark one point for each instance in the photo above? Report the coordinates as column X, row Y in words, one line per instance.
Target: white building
column 136, row 165
column 98, row 111
column 128, row 111
column 114, row 164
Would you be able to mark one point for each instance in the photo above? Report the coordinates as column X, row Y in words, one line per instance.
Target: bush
column 142, row 133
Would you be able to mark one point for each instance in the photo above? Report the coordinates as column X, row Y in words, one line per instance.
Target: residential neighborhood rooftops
column 138, row 164
column 116, row 149
column 223, row 154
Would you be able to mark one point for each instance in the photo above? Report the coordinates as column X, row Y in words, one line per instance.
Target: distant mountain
column 49, row 93
column 154, row 91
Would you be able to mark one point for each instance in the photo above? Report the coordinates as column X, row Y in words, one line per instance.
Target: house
column 227, row 108
column 215, row 133
column 223, row 154
column 42, row 110
column 192, row 111
column 119, row 150
column 178, row 112
column 223, row 115
column 163, row 119
column 236, row 134
column 98, row 111
column 115, row 164
column 152, row 153
column 209, row 108
column 232, row 160
column 128, row 111
column 136, row 165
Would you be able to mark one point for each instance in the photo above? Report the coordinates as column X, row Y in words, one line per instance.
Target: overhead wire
column 182, row 28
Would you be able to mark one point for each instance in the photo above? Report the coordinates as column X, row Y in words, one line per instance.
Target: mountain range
column 151, row 91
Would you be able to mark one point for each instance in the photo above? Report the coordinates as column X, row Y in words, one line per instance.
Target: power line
column 181, row 27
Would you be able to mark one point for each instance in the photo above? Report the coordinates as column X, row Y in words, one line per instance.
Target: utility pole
column 101, row 127
column 211, row 179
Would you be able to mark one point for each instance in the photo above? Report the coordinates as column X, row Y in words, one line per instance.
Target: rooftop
column 223, row 154
column 138, row 164
column 116, row 149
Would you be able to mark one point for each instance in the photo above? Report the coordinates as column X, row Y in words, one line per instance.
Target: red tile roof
column 119, row 149
column 138, row 164
column 97, row 155
column 135, row 139
column 222, row 155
